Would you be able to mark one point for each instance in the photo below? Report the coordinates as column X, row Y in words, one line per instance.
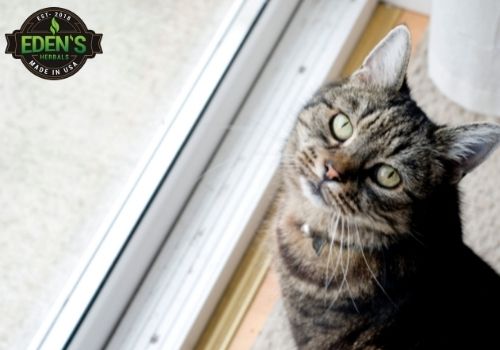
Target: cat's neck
column 325, row 246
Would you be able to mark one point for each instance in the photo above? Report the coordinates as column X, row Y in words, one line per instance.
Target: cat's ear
column 467, row 146
column 385, row 66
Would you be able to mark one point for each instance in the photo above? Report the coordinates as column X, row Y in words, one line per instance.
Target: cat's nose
column 330, row 173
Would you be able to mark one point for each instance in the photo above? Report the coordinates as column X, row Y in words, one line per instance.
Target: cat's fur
column 365, row 267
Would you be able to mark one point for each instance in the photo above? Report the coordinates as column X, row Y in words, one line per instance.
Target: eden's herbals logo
column 53, row 43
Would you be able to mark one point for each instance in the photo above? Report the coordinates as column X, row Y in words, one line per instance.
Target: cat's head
column 363, row 148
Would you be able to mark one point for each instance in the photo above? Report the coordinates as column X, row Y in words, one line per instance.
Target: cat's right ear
column 466, row 146
column 385, row 66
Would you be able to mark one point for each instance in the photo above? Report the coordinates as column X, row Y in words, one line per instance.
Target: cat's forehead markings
column 352, row 105
column 325, row 110
column 326, row 102
column 353, row 102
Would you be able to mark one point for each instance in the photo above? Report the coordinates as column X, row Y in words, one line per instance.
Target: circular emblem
column 53, row 43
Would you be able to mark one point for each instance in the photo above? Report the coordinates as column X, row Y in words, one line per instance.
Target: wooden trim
column 384, row 19
column 238, row 296
column 258, row 312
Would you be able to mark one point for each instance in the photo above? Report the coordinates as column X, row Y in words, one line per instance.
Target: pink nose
column 330, row 172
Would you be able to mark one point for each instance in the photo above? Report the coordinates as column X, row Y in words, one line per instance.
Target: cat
column 369, row 245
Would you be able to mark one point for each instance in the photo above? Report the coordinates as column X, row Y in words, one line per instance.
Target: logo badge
column 53, row 43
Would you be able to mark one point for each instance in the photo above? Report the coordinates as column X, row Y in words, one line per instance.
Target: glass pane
column 68, row 147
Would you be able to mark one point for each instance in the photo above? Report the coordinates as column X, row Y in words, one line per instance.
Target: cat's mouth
column 319, row 194
column 313, row 190
column 316, row 190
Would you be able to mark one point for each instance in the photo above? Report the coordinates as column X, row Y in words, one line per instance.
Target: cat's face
column 362, row 148
column 364, row 153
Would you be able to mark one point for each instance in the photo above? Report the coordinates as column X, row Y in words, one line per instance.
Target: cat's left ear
column 467, row 146
column 385, row 66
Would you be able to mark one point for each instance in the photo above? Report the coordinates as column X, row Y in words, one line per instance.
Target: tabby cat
column 369, row 239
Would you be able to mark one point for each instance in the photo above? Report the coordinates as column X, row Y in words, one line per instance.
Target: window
column 83, row 157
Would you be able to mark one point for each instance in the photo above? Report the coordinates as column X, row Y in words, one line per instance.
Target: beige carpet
column 480, row 192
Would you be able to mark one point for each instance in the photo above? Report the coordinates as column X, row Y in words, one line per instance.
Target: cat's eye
column 341, row 127
column 387, row 176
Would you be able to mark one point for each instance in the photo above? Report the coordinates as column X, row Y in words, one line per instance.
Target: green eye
column 387, row 176
column 341, row 127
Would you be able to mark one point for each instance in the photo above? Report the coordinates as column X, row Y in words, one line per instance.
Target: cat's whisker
column 339, row 291
column 369, row 268
column 333, row 238
column 332, row 227
column 344, row 279
column 340, row 251
column 347, row 266
column 416, row 239
column 339, row 256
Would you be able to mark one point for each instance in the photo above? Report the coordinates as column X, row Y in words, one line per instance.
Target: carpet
column 480, row 192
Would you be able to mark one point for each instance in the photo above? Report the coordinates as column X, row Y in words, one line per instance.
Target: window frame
column 132, row 233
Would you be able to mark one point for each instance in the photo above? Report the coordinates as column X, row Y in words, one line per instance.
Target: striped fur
column 395, row 273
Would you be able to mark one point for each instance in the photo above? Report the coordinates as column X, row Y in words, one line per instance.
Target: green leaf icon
column 54, row 26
